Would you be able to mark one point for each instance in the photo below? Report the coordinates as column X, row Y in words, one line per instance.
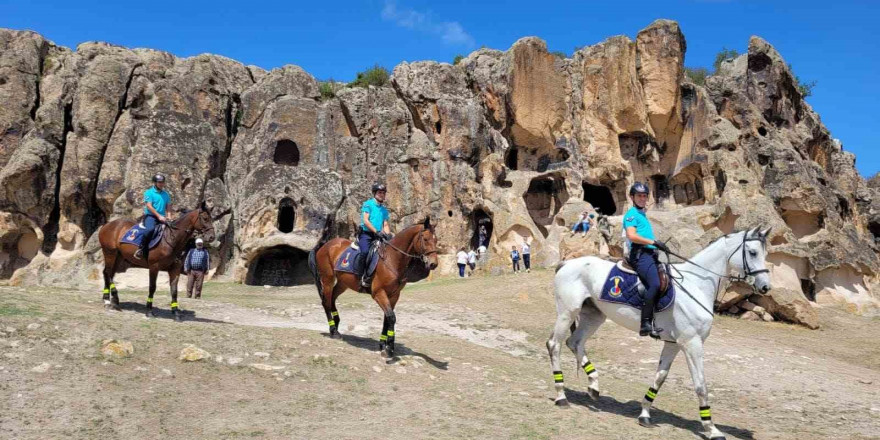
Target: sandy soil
column 472, row 364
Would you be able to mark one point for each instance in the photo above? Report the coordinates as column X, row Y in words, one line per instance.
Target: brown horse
column 166, row 256
column 415, row 245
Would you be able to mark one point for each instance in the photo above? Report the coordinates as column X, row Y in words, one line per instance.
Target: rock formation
column 519, row 140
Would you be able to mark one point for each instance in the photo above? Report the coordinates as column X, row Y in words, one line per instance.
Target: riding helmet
column 378, row 187
column 158, row 178
column 640, row 188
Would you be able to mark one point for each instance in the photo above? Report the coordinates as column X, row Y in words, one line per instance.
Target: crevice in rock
column 232, row 116
column 352, row 128
column 50, row 229
column 413, row 112
column 39, row 79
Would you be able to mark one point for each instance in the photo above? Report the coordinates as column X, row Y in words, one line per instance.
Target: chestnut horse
column 166, row 256
column 392, row 274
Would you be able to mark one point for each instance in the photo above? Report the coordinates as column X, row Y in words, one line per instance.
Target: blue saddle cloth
column 135, row 235
column 625, row 288
column 349, row 262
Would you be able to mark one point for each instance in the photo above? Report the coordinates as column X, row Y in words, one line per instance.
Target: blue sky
column 834, row 43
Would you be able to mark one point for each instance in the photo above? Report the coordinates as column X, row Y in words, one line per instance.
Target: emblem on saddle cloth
column 624, row 287
column 345, row 260
column 615, row 290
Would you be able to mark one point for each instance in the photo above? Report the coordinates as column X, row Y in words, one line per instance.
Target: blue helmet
column 639, row 188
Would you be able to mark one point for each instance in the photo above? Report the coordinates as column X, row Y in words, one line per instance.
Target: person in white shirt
column 527, row 257
column 472, row 260
column 462, row 258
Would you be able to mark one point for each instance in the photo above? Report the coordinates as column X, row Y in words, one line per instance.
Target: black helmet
column 158, row 178
column 638, row 187
column 378, row 187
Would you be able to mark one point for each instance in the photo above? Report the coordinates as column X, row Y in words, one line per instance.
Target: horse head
column 426, row 244
column 752, row 260
column 204, row 223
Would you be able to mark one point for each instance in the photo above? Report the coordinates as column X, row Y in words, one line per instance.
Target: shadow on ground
column 400, row 349
column 632, row 409
column 186, row 315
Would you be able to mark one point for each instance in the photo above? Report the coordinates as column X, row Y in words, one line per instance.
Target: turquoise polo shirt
column 378, row 214
column 636, row 217
column 159, row 199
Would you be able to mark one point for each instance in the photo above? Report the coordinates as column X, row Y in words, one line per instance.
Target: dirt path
column 472, row 365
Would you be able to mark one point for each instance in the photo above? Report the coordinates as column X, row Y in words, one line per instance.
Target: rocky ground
column 471, row 365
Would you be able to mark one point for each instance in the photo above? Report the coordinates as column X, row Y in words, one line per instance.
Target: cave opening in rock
column 600, row 197
column 874, row 227
column 286, row 215
column 279, row 266
column 637, row 145
column 544, row 199
column 720, row 181
column 661, row 188
column 481, row 226
column 286, row 153
column 511, row 161
column 808, row 287
column 17, row 250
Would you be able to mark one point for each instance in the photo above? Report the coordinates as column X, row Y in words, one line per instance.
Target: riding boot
column 648, row 328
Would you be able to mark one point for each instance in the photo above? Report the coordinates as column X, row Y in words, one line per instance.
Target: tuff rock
column 521, row 141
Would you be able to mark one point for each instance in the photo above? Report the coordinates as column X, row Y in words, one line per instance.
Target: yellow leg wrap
column 390, row 333
column 112, row 285
column 589, row 368
column 149, row 300
column 334, row 313
column 383, row 338
column 106, row 291
column 331, row 322
column 173, row 305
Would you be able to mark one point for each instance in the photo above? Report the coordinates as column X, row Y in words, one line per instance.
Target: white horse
column 686, row 325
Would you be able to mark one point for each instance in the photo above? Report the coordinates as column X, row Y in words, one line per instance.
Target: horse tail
column 313, row 268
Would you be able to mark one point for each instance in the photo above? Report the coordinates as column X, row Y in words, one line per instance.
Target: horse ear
column 765, row 233
column 427, row 223
column 204, row 206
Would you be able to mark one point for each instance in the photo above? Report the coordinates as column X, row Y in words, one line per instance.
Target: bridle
column 423, row 256
column 189, row 230
column 748, row 275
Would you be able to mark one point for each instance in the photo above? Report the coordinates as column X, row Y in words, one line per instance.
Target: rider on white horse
column 642, row 255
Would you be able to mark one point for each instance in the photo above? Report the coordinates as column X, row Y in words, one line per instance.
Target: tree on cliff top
column 374, row 76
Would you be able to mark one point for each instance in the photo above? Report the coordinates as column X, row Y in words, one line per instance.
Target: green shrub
column 806, row 88
column 724, row 55
column 697, row 74
column 374, row 76
column 457, row 59
column 329, row 88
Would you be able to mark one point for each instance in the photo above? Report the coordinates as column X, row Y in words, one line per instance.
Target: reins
column 747, row 272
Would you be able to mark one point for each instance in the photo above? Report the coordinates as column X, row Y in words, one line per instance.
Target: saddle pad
column 623, row 287
column 349, row 262
column 135, row 235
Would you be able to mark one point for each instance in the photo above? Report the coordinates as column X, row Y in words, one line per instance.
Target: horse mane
column 180, row 217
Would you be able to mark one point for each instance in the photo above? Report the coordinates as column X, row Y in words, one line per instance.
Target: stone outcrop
column 520, row 141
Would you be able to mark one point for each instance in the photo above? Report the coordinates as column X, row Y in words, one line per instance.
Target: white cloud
column 451, row 32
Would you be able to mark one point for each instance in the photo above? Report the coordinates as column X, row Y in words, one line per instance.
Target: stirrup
column 138, row 254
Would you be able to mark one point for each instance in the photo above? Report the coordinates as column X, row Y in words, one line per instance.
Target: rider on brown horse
column 374, row 226
column 157, row 203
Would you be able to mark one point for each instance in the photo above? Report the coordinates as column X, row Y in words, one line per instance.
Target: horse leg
column 670, row 350
column 329, row 303
column 386, row 339
column 114, row 299
column 151, row 312
column 392, row 320
column 173, row 278
column 109, row 262
column 590, row 320
column 554, row 345
column 693, row 352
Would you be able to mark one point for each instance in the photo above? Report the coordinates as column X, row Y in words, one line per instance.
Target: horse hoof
column 594, row 394
column 646, row 422
column 107, row 307
column 335, row 335
column 563, row 403
column 388, row 352
column 150, row 313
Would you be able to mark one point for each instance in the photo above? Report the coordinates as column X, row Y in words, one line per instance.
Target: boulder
column 117, row 349
column 191, row 353
column 788, row 305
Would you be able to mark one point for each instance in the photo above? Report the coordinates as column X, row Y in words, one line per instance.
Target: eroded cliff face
column 520, row 140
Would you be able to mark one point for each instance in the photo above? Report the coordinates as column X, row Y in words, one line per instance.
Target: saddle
column 624, row 287
column 135, row 235
column 662, row 272
column 349, row 261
